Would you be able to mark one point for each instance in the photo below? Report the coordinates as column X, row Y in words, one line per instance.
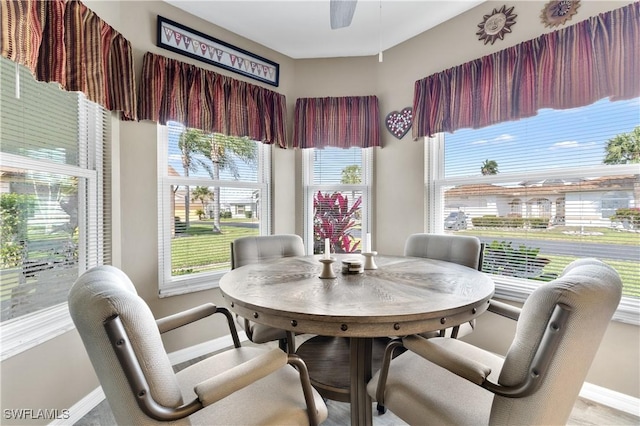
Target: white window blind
column 543, row 191
column 337, row 198
column 212, row 189
column 54, row 191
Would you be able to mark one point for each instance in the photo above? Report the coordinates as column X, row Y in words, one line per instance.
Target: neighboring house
column 238, row 202
column 240, row 208
column 581, row 202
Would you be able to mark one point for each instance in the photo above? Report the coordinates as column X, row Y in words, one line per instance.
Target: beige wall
column 57, row 373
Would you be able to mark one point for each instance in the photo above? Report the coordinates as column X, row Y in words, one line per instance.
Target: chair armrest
column 236, row 378
column 477, row 373
column 174, row 321
column 504, row 309
column 180, row 319
column 307, row 389
column 466, row 368
column 469, row 369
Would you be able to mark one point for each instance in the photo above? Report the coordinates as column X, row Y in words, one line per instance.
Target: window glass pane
column 543, row 191
column 216, row 191
column 547, row 143
column 30, row 127
column 337, row 215
column 337, row 165
column 197, row 154
column 202, row 246
column 52, row 202
column 337, row 191
column 38, row 229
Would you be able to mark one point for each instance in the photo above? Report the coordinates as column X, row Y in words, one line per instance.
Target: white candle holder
column 327, row 270
column 369, row 262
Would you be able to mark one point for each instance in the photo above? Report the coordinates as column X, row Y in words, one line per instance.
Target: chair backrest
column 248, row 250
column 99, row 294
column 591, row 290
column 462, row 249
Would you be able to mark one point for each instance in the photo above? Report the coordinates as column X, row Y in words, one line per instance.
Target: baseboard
column 597, row 394
column 81, row 408
column 616, row 400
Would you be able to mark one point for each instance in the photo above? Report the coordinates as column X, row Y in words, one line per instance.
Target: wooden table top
column 405, row 295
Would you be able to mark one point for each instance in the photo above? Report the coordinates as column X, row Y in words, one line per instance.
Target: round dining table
column 403, row 296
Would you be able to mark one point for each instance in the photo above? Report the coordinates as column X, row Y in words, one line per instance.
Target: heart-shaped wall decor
column 399, row 123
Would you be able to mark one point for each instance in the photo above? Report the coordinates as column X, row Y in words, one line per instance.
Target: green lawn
column 199, row 249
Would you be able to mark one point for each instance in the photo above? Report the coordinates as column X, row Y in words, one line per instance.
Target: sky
column 552, row 139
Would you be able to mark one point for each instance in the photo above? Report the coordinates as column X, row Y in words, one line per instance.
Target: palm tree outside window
column 213, row 189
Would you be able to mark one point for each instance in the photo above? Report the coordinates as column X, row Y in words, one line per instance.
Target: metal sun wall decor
column 186, row 41
column 399, row 122
column 557, row 12
column 496, row 24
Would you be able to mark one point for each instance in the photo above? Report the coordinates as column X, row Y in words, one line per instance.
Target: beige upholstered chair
column 461, row 249
column 248, row 250
column 243, row 385
column 558, row 332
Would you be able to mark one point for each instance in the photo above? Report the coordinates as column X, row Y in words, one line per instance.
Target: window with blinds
column 54, row 191
column 337, row 198
column 212, row 189
column 543, row 191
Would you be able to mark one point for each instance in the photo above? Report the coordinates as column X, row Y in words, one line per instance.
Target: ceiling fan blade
column 341, row 12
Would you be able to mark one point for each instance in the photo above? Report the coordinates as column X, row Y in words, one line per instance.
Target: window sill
column 191, row 284
column 517, row 290
column 28, row 331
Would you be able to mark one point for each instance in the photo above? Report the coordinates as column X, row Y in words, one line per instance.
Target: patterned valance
column 341, row 122
column 568, row 68
column 65, row 42
column 171, row 90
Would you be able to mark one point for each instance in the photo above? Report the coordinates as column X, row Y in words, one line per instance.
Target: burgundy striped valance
column 171, row 90
column 342, row 122
column 568, row 68
column 65, row 42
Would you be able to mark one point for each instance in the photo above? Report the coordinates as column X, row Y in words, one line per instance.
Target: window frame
column 310, row 189
column 508, row 288
column 32, row 329
column 167, row 284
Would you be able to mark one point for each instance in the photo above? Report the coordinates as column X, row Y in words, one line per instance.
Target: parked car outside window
column 456, row 221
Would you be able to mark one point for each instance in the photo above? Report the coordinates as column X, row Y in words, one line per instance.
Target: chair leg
column 291, row 342
column 454, row 332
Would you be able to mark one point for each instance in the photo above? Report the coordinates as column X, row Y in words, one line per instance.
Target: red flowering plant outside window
column 336, row 220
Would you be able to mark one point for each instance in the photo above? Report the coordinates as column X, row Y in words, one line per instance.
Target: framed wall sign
column 180, row 39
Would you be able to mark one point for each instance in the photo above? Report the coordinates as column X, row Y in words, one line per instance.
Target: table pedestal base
column 341, row 367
